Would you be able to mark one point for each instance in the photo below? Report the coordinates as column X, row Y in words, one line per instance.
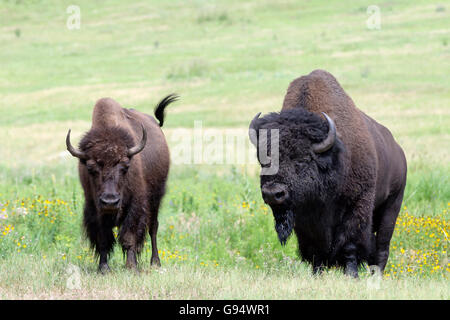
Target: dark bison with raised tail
column 340, row 178
column 123, row 167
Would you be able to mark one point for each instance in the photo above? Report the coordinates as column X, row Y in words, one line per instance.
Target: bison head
column 106, row 155
column 308, row 152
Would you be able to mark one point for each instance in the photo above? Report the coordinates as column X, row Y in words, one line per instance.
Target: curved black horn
column 138, row 148
column 328, row 142
column 252, row 130
column 75, row 152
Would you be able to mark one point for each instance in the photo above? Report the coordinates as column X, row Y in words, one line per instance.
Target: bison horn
column 75, row 152
column 328, row 142
column 138, row 148
column 253, row 135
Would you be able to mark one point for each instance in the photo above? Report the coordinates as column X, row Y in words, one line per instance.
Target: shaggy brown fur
column 123, row 190
column 355, row 189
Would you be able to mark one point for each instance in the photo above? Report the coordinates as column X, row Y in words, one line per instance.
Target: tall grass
column 207, row 220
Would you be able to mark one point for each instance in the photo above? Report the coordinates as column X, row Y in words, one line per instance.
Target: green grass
column 228, row 61
column 186, row 282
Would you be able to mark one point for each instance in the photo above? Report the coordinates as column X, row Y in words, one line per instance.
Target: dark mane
column 109, row 143
column 298, row 121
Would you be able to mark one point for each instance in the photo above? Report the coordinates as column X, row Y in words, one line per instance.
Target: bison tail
column 159, row 109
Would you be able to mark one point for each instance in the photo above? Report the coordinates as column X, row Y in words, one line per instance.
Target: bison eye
column 91, row 167
column 124, row 167
column 92, row 170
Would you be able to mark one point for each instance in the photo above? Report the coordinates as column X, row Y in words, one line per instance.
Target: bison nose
column 109, row 200
column 276, row 194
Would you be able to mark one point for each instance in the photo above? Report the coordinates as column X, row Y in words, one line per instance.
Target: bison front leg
column 351, row 261
column 99, row 232
column 131, row 259
column 317, row 266
column 105, row 243
column 128, row 243
column 103, row 266
column 133, row 232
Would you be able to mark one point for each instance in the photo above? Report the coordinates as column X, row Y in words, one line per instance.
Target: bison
column 340, row 179
column 123, row 167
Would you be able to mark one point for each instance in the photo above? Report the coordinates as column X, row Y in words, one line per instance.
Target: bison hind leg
column 153, row 229
column 155, row 196
column 387, row 216
column 155, row 256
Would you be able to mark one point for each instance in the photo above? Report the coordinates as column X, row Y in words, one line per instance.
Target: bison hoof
column 133, row 269
column 351, row 272
column 104, row 268
column 131, row 266
column 317, row 271
column 155, row 262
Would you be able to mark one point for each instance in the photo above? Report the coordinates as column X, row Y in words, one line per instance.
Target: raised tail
column 159, row 109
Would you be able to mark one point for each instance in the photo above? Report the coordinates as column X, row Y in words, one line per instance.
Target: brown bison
column 123, row 167
column 340, row 177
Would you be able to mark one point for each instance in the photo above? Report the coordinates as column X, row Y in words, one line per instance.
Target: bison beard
column 284, row 223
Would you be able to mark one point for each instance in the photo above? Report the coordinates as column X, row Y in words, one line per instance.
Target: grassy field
column 227, row 61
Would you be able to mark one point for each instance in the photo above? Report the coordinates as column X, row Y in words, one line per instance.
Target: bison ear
column 252, row 130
